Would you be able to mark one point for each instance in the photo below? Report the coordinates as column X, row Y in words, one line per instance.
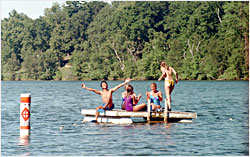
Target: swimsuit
column 128, row 103
column 154, row 100
column 107, row 108
column 171, row 82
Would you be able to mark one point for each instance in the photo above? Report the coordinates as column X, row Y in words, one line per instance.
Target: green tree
column 200, row 40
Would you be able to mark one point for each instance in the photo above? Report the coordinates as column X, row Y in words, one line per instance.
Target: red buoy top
column 25, row 98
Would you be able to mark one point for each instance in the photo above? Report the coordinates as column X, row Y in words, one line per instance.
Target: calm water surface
column 221, row 129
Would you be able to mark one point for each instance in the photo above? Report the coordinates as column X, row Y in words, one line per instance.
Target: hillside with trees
column 98, row 40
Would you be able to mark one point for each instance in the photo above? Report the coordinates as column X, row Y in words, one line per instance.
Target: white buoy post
column 25, row 115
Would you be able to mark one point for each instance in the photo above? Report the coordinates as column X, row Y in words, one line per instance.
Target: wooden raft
column 122, row 116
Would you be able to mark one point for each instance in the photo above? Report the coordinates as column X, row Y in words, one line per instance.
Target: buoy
column 230, row 118
column 25, row 115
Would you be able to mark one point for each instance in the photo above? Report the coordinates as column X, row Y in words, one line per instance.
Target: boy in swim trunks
column 106, row 95
column 167, row 73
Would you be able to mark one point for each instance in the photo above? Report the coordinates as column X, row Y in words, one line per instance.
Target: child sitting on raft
column 123, row 96
column 155, row 97
column 130, row 100
column 106, row 95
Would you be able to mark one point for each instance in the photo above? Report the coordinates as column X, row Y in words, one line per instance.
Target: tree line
column 98, row 40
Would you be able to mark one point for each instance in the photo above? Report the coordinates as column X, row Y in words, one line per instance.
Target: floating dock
column 124, row 117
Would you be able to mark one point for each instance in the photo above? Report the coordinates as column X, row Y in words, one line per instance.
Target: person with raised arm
column 106, row 95
column 130, row 100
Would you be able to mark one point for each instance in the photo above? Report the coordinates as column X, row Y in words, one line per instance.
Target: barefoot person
column 155, row 97
column 167, row 73
column 130, row 100
column 106, row 95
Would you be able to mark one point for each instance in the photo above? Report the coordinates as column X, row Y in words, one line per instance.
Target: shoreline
column 133, row 80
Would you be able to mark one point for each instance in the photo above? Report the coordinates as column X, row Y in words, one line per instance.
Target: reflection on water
column 24, row 141
column 57, row 129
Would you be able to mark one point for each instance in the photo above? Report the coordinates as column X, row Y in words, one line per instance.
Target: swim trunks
column 171, row 82
column 107, row 108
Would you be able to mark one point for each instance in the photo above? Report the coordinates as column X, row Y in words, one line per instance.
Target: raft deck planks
column 122, row 116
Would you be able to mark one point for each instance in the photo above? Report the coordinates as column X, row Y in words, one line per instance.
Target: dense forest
column 98, row 40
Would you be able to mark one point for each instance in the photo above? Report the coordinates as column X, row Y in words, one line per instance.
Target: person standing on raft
column 167, row 73
column 106, row 95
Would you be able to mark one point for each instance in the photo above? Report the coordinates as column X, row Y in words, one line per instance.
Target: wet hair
column 154, row 84
column 129, row 89
column 165, row 66
column 103, row 82
column 162, row 62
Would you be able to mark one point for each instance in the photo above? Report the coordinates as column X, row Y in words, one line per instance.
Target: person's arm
column 124, row 94
column 123, row 103
column 148, row 95
column 163, row 73
column 160, row 96
column 90, row 89
column 176, row 75
column 136, row 99
column 120, row 85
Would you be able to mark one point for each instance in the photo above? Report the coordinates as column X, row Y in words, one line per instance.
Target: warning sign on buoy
column 25, row 115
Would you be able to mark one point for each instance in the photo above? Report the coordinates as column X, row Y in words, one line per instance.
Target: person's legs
column 153, row 106
column 167, row 89
column 158, row 106
column 170, row 91
column 139, row 107
column 97, row 113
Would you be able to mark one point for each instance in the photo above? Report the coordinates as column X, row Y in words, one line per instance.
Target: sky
column 32, row 8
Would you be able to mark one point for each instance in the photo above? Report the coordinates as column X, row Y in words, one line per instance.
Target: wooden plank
column 172, row 114
column 122, row 113
column 183, row 115
column 115, row 113
column 149, row 110
column 108, row 120
column 166, row 112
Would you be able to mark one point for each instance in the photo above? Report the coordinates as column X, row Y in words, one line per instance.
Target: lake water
column 221, row 128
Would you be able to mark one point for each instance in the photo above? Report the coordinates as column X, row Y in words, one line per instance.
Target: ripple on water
column 222, row 126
